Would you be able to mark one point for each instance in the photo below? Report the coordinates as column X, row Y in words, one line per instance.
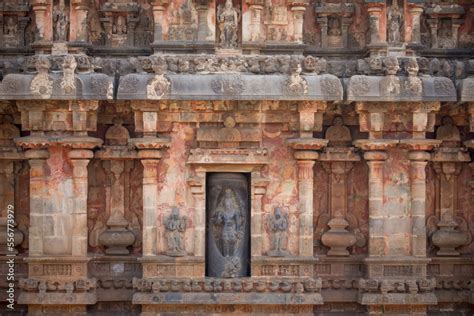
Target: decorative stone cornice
column 255, row 290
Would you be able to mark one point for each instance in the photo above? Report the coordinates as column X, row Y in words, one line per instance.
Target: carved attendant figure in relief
column 175, row 226
column 11, row 27
column 334, row 27
column 228, row 220
column 278, row 224
column 394, row 22
column 228, row 19
column 61, row 22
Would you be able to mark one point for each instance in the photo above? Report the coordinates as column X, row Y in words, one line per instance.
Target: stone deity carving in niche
column 227, row 250
column 338, row 134
column 228, row 220
column 334, row 27
column 175, row 226
column 278, row 225
column 395, row 20
column 447, row 132
column 228, row 20
column 120, row 26
column 445, row 34
column 11, row 28
column 60, row 22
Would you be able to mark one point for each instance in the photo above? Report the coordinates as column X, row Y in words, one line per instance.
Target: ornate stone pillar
column 415, row 12
column 80, row 159
column 38, row 192
column 159, row 7
column 418, row 161
column 41, row 8
column 203, row 29
column 306, row 147
column 80, row 31
column 259, row 185
column 255, row 8
column 298, row 7
column 149, row 152
column 305, row 163
column 150, row 189
column 323, row 23
column 198, row 190
column 433, row 24
column 374, row 24
column 375, row 161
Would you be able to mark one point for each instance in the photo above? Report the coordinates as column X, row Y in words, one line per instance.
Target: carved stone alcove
column 233, row 163
column 228, row 225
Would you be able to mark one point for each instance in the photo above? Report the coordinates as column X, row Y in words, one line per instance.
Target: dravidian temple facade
column 192, row 157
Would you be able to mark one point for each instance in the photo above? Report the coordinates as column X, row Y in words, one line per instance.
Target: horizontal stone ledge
column 229, row 86
column 57, row 298
column 180, row 298
column 400, row 89
column 89, row 86
column 397, row 299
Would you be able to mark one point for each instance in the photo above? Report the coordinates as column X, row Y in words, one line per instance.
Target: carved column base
column 399, row 284
column 165, row 266
column 57, row 285
column 338, row 239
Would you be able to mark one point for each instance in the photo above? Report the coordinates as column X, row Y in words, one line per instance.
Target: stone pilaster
column 159, row 7
column 415, row 12
column 375, row 161
column 79, row 31
column 203, row 29
column 80, row 159
column 150, row 189
column 305, row 163
column 418, row 161
column 38, row 192
column 298, row 7
column 198, row 190
column 256, row 33
column 259, row 185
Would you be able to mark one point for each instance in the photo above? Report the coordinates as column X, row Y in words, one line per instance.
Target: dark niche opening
column 228, row 225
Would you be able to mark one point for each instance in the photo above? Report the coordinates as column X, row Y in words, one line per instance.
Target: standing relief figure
column 175, row 226
column 394, row 21
column 227, row 222
column 278, row 226
column 228, row 20
column 61, row 22
column 228, row 225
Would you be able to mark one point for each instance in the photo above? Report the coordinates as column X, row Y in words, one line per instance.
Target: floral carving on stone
column 68, row 82
column 296, row 85
column 359, row 85
column 158, row 87
column 42, row 83
column 444, row 86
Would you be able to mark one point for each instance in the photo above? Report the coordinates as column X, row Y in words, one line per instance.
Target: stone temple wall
column 188, row 157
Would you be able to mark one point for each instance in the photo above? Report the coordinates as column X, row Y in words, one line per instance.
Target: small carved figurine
column 175, row 226
column 278, row 224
